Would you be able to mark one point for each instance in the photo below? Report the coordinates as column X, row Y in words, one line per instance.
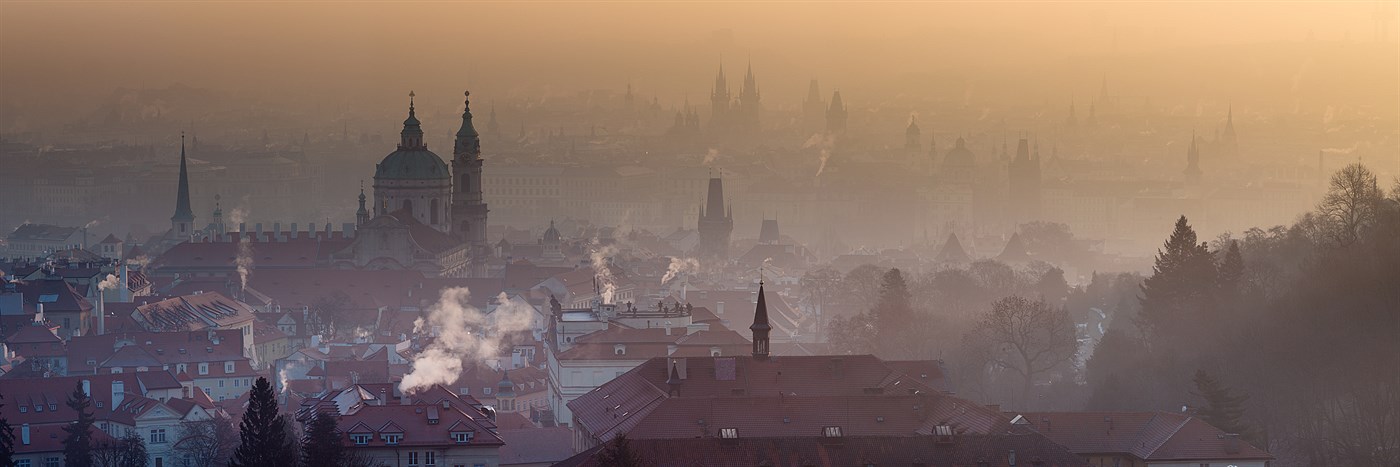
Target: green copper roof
column 411, row 164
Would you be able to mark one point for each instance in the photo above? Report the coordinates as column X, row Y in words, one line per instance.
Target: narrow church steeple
column 361, row 215
column 760, row 327
column 183, row 221
column 412, row 135
column 1193, row 161
column 469, row 210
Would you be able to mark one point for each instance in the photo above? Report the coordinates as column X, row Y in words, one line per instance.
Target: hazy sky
column 60, row 53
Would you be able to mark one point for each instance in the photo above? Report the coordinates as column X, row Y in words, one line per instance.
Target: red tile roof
column 194, row 312
column 994, row 450
column 785, row 396
column 1153, row 436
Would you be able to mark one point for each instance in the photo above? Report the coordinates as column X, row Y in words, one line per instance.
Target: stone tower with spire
column 716, row 223
column 760, row 326
column 912, row 135
column 836, row 115
column 182, row 223
column 1193, row 161
column 813, row 109
column 1024, row 178
column 362, row 214
column 468, row 207
column 750, row 109
column 719, row 99
column 1229, row 145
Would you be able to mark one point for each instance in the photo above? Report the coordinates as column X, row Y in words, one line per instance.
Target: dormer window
column 204, row 368
column 391, row 438
column 463, row 436
column 715, row 351
column 228, row 367
column 729, row 433
column 620, row 349
column 360, row 439
column 831, row 432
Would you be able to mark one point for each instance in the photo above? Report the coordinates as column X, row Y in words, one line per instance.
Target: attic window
column 361, row 438
column 729, row 433
column 392, row 438
column 620, row 349
column 463, row 436
column 831, row 432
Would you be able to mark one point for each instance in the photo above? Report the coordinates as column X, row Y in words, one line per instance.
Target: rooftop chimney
column 383, row 396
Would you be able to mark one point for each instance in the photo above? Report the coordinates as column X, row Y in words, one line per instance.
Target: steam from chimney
column 140, row 262
column 607, row 284
column 825, row 143
column 109, row 283
column 710, row 157
column 244, row 263
column 680, row 265
column 465, row 334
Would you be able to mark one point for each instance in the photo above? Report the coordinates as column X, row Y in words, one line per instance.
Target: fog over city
column 607, row 233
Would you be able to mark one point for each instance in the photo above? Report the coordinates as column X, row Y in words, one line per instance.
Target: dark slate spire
column 468, row 140
column 361, row 215
column 760, row 326
column 412, row 135
column 674, row 381
column 183, row 213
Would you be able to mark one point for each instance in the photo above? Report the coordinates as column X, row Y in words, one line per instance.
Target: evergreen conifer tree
column 322, row 446
column 7, row 440
column 263, row 435
column 1178, row 295
column 1222, row 408
column 77, row 442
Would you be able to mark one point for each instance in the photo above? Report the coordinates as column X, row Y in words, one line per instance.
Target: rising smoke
column 678, row 266
column 109, row 283
column 710, row 157
column 824, row 143
column 244, row 261
column 464, row 334
column 607, row 284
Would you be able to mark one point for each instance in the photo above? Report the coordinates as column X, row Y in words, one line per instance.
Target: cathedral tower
column 1024, row 174
column 716, row 223
column 182, row 223
column 468, row 206
column 836, row 115
column 414, row 179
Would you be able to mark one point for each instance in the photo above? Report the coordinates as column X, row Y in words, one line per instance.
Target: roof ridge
column 1169, row 436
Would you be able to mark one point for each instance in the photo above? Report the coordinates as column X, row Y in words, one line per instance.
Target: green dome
column 412, row 164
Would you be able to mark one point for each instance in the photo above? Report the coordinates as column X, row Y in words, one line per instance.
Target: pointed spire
column 760, row 327
column 412, row 135
column 183, row 213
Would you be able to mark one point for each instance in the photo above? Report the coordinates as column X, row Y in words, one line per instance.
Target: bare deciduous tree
column 1351, row 204
column 207, row 443
column 1028, row 337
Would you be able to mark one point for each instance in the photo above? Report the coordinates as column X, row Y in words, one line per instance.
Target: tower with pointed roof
column 716, row 223
column 1229, row 144
column 912, row 135
column 362, row 214
column 814, row 108
column 719, row 99
column 182, row 223
column 760, row 326
column 1193, row 161
column 1024, row 184
column 468, row 206
column 750, row 109
column 505, row 393
column 836, row 115
column 414, row 179
column 552, row 243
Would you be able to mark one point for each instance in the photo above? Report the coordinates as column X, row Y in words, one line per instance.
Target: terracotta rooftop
column 1151, row 436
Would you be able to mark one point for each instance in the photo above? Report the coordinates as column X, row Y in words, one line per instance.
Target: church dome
column 551, row 235
column 412, row 164
column 412, row 160
column 959, row 156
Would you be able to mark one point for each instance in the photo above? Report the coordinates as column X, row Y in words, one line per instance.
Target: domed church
column 414, row 179
column 426, row 216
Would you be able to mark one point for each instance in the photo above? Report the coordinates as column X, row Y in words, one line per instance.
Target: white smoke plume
column 680, row 265
column 139, row 262
column 825, row 143
column 464, row 334
column 710, row 157
column 282, row 379
column 244, row 261
column 109, row 283
column 607, row 284
column 92, row 224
